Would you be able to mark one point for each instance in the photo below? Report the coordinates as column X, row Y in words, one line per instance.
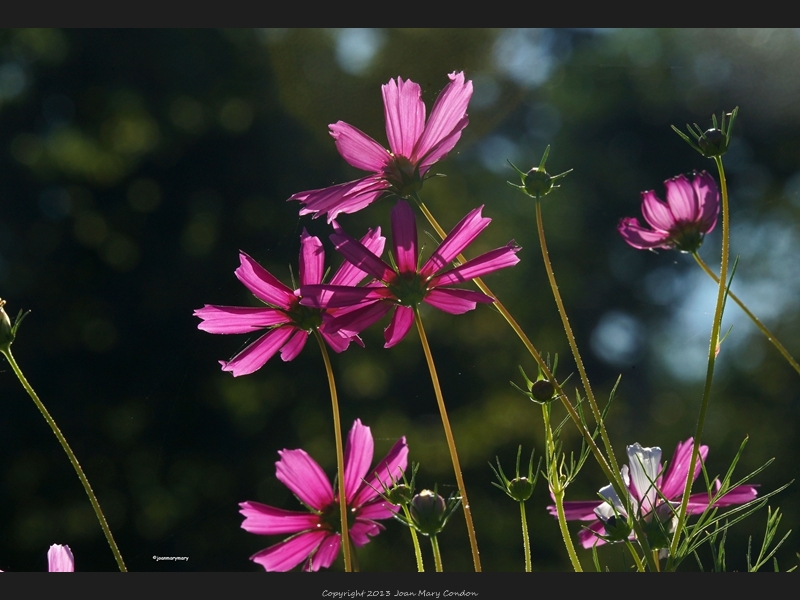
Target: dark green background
column 135, row 164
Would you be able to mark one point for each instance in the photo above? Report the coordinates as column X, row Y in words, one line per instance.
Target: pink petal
column 705, row 188
column 263, row 284
column 640, row 238
column 587, row 536
column 344, row 197
column 404, row 237
column 455, row 301
column 358, row 149
column 385, row 474
column 401, row 322
column 267, row 520
column 738, row 495
column 348, row 273
column 681, row 199
column 362, row 531
column 378, row 510
column 360, row 198
column 493, row 260
column 405, row 115
column 357, row 254
column 325, row 555
column 454, row 243
column 340, row 296
column 258, row 353
column 305, row 478
column 312, row 259
column 294, row 346
column 236, row 319
column 60, row 559
column 287, row 554
column 579, row 510
column 337, row 341
column 674, row 478
column 356, row 321
column 448, row 118
column 357, row 458
column 656, row 212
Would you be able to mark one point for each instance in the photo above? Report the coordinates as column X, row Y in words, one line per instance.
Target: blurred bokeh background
column 135, row 164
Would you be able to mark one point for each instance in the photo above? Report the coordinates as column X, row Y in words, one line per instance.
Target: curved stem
column 571, row 339
column 337, row 432
column 437, row 555
column 451, row 443
column 526, row 542
column 756, row 321
column 713, row 349
column 415, row 540
column 612, row 475
column 72, row 458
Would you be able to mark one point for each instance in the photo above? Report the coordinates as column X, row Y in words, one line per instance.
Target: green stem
column 598, row 417
column 612, row 475
column 451, row 443
column 767, row 333
column 437, row 555
column 70, row 454
column 415, row 539
column 557, row 489
column 713, row 349
column 337, row 432
column 526, row 542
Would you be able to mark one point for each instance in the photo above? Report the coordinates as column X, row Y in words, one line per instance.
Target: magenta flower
column 690, row 212
column 415, row 146
column 316, row 539
column 402, row 288
column 649, row 486
column 60, row 559
column 288, row 324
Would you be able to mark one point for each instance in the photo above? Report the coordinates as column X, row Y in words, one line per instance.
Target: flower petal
column 378, row 510
column 263, row 284
column 645, row 468
column 356, row 321
column 337, row 341
column 707, row 193
column 294, row 346
column 341, row 296
column 289, row 553
column 401, row 322
column 461, row 236
column 305, row 478
column 325, row 554
column 344, row 197
column 358, row 149
column 404, row 237
column 674, row 478
column 656, row 212
column 357, row 458
column 456, row 301
column 448, row 118
column 348, row 273
column 387, row 472
column 363, row 530
column 405, row 115
column 360, row 256
column 60, row 559
column 259, row 352
column 579, row 510
column 312, row 259
column 639, row 237
column 500, row 258
column 267, row 520
column 587, row 535
column 237, row 319
column 682, row 200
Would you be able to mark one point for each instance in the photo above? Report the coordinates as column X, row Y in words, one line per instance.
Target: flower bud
column 430, row 512
column 542, row 390
column 400, row 495
column 6, row 330
column 713, row 143
column 520, row 488
column 538, row 182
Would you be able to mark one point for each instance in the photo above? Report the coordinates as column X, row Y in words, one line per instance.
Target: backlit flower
column 690, row 212
column 653, row 491
column 60, row 559
column 415, row 145
column 288, row 324
column 402, row 288
column 316, row 539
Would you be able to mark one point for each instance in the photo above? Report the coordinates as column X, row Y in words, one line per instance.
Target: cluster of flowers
column 366, row 288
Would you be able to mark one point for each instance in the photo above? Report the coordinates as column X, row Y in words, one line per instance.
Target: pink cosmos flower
column 288, row 324
column 690, row 212
column 60, row 559
column 316, row 539
column 402, row 288
column 649, row 486
column 415, row 146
